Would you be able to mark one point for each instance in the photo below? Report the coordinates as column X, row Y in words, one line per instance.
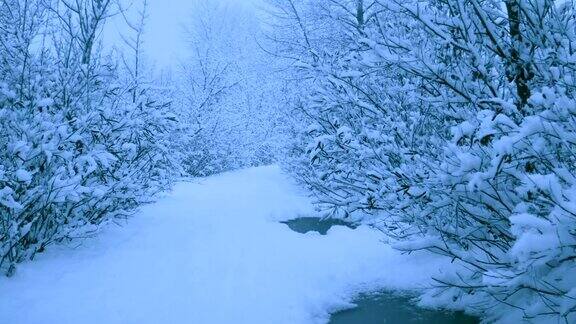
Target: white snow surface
column 212, row 251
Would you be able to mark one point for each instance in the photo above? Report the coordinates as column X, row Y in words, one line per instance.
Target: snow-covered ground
column 213, row 251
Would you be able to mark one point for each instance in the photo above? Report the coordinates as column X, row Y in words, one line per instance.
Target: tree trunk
column 518, row 71
column 360, row 14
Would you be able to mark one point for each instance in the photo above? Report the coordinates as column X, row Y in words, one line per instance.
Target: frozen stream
column 213, row 251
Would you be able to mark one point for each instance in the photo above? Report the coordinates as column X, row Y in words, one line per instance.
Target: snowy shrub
column 449, row 124
column 499, row 203
column 79, row 144
column 369, row 127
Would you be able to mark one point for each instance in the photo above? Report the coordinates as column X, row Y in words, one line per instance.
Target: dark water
column 388, row 308
column 381, row 308
column 320, row 225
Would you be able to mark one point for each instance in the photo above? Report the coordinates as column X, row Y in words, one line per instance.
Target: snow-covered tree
column 228, row 88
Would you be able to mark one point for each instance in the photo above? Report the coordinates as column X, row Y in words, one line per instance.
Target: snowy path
column 211, row 252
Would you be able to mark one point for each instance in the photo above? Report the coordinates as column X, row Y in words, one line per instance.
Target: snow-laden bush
column 499, row 201
column 79, row 144
column 451, row 124
column 369, row 126
column 505, row 210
